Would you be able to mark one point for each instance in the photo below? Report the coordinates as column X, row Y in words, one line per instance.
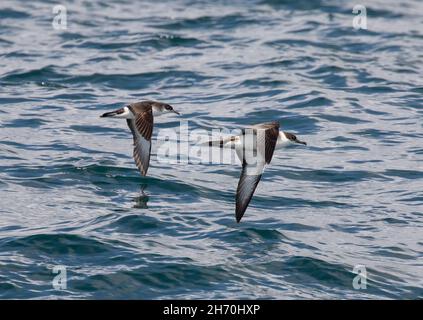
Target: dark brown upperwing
column 272, row 135
column 142, row 130
column 144, row 124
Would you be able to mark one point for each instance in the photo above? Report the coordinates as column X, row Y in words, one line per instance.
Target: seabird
column 140, row 119
column 254, row 147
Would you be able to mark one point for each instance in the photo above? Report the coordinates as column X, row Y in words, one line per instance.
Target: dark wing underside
column 246, row 186
column 142, row 130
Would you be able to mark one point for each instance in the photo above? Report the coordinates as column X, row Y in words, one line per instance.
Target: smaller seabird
column 140, row 119
column 254, row 147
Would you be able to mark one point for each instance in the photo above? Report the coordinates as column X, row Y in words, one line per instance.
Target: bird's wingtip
column 142, row 172
column 238, row 216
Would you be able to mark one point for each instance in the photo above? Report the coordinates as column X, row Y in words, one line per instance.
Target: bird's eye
column 168, row 108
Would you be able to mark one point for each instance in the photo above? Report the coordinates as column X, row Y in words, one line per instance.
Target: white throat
column 156, row 111
column 283, row 141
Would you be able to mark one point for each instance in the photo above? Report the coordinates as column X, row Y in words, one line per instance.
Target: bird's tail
column 221, row 143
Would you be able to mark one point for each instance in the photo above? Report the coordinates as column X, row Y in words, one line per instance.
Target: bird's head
column 293, row 138
column 161, row 108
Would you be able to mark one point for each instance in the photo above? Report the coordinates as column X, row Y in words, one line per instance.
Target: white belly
column 250, row 149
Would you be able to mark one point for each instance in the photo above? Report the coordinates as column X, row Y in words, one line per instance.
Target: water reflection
column 142, row 200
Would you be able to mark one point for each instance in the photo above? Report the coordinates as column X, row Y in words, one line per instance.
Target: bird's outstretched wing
column 271, row 135
column 142, row 130
column 252, row 170
column 246, row 186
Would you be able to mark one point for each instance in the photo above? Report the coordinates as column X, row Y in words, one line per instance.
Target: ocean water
column 73, row 204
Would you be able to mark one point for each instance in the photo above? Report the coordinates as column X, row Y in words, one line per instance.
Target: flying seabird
column 140, row 119
column 254, row 147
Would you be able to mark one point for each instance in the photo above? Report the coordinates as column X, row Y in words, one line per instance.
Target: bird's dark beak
column 113, row 113
column 301, row 142
column 177, row 112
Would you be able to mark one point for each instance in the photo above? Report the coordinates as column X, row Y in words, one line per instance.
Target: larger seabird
column 254, row 147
